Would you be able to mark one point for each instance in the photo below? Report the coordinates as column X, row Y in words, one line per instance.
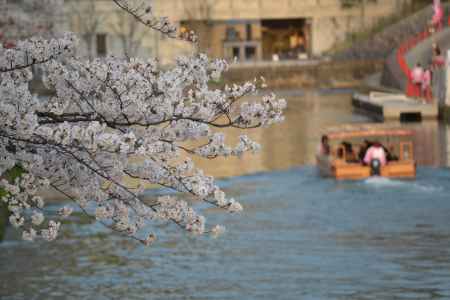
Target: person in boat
column 349, row 153
column 324, row 147
column 363, row 149
column 375, row 157
column 390, row 155
column 339, row 157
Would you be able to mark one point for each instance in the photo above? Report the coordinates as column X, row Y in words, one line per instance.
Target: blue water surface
column 299, row 237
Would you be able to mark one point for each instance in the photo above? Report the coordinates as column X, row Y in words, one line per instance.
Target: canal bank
column 403, row 45
column 305, row 74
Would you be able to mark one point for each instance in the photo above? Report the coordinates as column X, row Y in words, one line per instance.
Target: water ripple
column 300, row 237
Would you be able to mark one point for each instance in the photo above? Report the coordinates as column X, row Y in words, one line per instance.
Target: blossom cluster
column 26, row 207
column 110, row 119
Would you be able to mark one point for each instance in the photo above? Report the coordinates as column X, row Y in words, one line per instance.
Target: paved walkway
column 422, row 53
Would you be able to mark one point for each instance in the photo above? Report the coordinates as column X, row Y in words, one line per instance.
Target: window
column 250, row 52
column 248, row 31
column 406, row 151
column 101, row 44
column 231, row 34
column 236, row 52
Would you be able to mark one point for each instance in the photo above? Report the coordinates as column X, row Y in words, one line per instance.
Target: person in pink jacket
column 416, row 78
column 426, row 84
column 375, row 151
column 438, row 15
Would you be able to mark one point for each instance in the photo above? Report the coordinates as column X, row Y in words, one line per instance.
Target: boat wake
column 383, row 182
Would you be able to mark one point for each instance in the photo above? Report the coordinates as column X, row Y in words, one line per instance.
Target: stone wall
column 328, row 31
column 312, row 75
column 269, row 9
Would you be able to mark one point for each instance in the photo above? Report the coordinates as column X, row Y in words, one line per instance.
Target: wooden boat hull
column 354, row 171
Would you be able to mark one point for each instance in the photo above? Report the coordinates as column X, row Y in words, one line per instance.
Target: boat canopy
column 366, row 130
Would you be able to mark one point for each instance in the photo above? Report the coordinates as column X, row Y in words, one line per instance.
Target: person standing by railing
column 438, row 15
column 438, row 58
column 416, row 79
column 426, row 83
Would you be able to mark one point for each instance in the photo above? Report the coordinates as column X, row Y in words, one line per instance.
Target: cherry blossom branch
column 139, row 12
column 122, row 232
column 104, row 115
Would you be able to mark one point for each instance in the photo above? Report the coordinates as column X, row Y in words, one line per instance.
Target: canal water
column 299, row 237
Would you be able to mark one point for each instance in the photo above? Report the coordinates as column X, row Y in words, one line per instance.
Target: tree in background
column 199, row 19
column 110, row 119
column 85, row 16
column 23, row 19
column 129, row 33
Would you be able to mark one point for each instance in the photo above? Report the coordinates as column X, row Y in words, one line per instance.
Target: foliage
column 3, row 217
column 110, row 119
column 10, row 176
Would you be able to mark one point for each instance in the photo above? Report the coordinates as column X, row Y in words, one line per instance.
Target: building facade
column 250, row 30
column 104, row 29
column 272, row 30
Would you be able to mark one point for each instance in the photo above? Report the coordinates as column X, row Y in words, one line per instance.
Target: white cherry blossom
column 110, row 119
column 37, row 218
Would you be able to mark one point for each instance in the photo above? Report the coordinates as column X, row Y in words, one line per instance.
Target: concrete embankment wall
column 331, row 74
column 380, row 44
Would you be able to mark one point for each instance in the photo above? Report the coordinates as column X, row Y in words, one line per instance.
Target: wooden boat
column 341, row 164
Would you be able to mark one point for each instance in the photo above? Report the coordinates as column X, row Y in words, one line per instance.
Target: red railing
column 412, row 90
